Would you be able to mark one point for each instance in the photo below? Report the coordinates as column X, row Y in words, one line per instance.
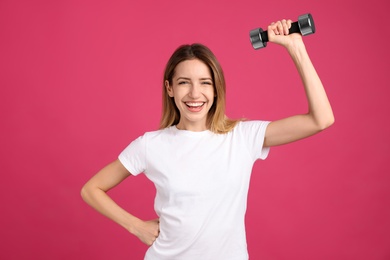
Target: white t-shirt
column 202, row 182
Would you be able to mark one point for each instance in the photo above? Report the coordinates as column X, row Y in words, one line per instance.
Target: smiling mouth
column 194, row 104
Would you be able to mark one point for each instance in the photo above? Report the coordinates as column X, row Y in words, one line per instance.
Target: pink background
column 81, row 79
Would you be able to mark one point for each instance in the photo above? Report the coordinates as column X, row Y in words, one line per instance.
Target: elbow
column 89, row 192
column 84, row 193
column 326, row 123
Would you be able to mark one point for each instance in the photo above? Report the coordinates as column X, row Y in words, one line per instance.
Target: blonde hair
column 217, row 121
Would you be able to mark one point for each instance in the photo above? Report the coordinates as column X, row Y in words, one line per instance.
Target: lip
column 194, row 103
column 194, row 106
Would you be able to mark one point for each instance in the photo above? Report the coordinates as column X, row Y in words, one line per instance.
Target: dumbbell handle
column 294, row 29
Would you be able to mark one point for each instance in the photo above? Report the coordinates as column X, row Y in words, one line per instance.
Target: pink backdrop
column 81, row 79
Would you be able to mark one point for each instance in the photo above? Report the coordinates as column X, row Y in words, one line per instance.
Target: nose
column 195, row 91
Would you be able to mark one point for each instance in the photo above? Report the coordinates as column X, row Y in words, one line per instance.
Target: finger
column 151, row 240
column 289, row 22
column 279, row 27
column 271, row 28
column 285, row 27
column 275, row 27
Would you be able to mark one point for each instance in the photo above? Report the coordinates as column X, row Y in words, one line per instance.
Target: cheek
column 178, row 102
column 177, row 98
column 212, row 95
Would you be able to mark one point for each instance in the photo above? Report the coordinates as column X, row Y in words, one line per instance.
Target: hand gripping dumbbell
column 304, row 26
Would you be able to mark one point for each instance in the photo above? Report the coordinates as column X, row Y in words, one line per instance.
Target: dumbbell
column 304, row 26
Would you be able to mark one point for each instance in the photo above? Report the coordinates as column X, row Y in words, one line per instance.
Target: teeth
column 194, row 104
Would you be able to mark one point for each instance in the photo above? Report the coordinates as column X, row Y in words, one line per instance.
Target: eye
column 182, row 82
column 207, row 83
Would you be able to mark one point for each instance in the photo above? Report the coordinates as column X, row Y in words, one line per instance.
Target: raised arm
column 94, row 193
column 319, row 115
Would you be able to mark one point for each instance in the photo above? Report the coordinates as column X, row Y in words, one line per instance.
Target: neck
column 191, row 127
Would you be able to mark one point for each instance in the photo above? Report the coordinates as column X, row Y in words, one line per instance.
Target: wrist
column 295, row 45
column 297, row 50
column 131, row 223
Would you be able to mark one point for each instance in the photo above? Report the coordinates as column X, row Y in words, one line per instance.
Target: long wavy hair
column 217, row 121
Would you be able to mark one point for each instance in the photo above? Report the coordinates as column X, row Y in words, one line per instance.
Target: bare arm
column 94, row 193
column 319, row 115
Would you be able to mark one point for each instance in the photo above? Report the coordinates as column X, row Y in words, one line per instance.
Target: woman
column 200, row 161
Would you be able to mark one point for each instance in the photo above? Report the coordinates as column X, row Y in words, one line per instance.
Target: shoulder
column 147, row 139
column 159, row 132
column 161, row 135
column 251, row 125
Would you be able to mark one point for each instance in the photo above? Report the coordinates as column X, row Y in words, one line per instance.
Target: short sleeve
column 254, row 134
column 133, row 157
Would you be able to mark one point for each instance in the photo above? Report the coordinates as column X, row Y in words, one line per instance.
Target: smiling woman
column 200, row 161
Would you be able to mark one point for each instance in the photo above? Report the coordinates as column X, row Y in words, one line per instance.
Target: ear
column 168, row 88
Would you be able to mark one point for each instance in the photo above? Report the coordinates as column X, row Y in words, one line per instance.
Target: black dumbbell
column 304, row 26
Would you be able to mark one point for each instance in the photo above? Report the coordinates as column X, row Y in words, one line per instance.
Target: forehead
column 192, row 68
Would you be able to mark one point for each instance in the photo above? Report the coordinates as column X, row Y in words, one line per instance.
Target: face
column 193, row 91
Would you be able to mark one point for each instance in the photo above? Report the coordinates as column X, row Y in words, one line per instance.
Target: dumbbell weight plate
column 257, row 38
column 306, row 24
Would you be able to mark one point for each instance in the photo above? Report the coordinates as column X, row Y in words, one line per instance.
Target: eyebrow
column 185, row 78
